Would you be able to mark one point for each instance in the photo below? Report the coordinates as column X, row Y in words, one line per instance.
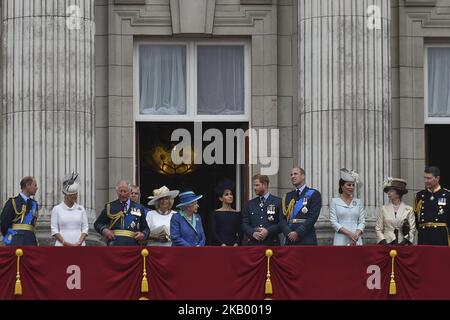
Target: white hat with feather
column 349, row 176
column 70, row 184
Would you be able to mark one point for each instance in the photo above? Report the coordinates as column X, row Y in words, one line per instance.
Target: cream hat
column 349, row 176
column 162, row 193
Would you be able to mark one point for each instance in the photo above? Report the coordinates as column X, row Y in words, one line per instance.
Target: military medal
column 432, row 198
column 271, row 212
column 305, row 202
column 261, row 204
column 441, row 211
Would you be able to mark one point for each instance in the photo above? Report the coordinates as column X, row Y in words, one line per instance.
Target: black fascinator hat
column 224, row 184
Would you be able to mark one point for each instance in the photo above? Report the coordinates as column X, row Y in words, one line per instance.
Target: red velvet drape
column 227, row 272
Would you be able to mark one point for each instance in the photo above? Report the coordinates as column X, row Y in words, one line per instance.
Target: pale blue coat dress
column 350, row 217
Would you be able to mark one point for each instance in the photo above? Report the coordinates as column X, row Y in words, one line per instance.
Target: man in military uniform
column 135, row 196
column 260, row 219
column 301, row 209
column 122, row 222
column 19, row 216
column 432, row 211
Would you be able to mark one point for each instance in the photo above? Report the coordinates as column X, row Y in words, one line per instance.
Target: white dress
column 70, row 223
column 159, row 222
column 351, row 217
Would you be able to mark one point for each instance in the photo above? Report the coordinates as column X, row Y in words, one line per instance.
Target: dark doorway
column 436, row 136
column 153, row 151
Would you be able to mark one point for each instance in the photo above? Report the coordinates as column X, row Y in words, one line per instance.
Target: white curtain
column 439, row 82
column 162, row 79
column 220, row 73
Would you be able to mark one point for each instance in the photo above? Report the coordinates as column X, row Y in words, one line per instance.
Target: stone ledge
column 244, row 2
column 124, row 2
column 420, row 3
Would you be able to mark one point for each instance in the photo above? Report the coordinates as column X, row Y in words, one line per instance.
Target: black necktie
column 297, row 194
column 124, row 207
column 29, row 204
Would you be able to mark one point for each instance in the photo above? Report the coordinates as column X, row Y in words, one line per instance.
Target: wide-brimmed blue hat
column 187, row 197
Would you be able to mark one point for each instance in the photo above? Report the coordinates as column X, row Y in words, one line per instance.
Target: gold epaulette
column 418, row 208
column 114, row 217
column 287, row 211
column 19, row 215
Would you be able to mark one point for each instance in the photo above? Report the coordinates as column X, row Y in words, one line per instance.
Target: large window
column 437, row 84
column 162, row 79
column 194, row 80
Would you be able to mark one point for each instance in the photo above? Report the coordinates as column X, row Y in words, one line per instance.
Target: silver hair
column 123, row 182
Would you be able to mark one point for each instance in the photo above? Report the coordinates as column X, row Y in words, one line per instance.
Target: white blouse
column 159, row 222
column 70, row 223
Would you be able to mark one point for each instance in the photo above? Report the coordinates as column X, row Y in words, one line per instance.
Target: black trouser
column 274, row 241
column 123, row 241
column 24, row 238
column 433, row 236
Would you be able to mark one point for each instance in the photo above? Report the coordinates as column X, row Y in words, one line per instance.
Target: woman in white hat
column 396, row 222
column 159, row 219
column 69, row 223
column 347, row 214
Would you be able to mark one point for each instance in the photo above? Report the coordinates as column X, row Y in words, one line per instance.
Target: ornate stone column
column 344, row 95
column 47, row 114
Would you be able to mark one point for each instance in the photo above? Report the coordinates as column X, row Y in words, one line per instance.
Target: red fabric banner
column 226, row 273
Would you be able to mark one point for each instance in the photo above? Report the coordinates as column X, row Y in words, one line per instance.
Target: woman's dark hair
column 223, row 193
column 341, row 183
column 224, row 184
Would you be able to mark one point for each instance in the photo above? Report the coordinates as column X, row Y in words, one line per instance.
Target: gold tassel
column 268, row 289
column 392, row 285
column 144, row 283
column 18, row 286
column 268, row 286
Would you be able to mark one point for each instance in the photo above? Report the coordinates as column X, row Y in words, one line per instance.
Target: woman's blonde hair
column 171, row 201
